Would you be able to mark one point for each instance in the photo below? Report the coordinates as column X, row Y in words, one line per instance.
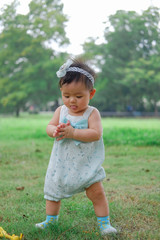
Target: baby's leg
column 52, row 211
column 97, row 195
column 52, row 207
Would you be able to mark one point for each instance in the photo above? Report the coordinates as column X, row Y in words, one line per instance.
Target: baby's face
column 75, row 97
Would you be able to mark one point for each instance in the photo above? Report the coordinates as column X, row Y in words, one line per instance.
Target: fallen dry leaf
column 19, row 188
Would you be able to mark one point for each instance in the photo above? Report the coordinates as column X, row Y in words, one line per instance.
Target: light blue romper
column 73, row 165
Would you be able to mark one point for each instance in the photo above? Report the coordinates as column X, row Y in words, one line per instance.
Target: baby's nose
column 72, row 99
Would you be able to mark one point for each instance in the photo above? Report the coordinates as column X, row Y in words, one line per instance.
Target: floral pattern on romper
column 73, row 165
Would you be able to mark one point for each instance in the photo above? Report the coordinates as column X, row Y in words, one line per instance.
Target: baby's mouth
column 73, row 107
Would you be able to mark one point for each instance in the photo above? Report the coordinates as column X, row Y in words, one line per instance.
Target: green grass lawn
column 132, row 183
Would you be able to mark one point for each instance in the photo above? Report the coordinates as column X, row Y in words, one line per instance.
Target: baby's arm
column 52, row 126
column 92, row 133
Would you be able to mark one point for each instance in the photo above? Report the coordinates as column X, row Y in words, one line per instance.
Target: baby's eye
column 66, row 96
column 79, row 96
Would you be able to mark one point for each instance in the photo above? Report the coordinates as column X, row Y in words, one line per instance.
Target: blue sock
column 49, row 220
column 103, row 222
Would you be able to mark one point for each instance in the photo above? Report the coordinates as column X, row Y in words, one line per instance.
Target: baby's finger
column 55, row 133
column 61, row 125
column 68, row 123
column 60, row 138
column 61, row 130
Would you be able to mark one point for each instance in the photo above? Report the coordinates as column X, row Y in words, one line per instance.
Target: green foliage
column 143, row 76
column 131, row 184
column 128, row 61
column 28, row 64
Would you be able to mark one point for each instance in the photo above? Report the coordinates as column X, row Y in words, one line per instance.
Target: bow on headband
column 66, row 68
column 63, row 69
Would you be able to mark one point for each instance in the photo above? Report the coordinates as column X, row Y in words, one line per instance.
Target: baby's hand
column 65, row 131
column 57, row 132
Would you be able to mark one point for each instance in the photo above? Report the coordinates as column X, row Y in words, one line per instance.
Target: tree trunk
column 17, row 111
column 155, row 109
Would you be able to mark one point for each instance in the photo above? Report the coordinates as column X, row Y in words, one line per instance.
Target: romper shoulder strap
column 88, row 112
column 63, row 113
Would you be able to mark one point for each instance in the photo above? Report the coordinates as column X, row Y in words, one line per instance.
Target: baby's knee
column 95, row 193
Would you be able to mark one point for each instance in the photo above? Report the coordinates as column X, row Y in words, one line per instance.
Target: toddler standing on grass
column 78, row 151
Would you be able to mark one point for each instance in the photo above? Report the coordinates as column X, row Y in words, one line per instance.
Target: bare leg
column 52, row 207
column 97, row 195
column 52, row 211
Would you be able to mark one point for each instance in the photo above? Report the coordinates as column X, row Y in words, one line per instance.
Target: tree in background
column 142, row 78
column 28, row 62
column 128, row 61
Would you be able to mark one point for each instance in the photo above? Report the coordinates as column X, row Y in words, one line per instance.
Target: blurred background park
column 121, row 40
column 34, row 44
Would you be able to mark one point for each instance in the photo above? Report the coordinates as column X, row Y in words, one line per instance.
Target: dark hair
column 76, row 76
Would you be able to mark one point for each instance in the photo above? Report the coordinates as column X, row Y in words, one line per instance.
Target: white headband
column 66, row 68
